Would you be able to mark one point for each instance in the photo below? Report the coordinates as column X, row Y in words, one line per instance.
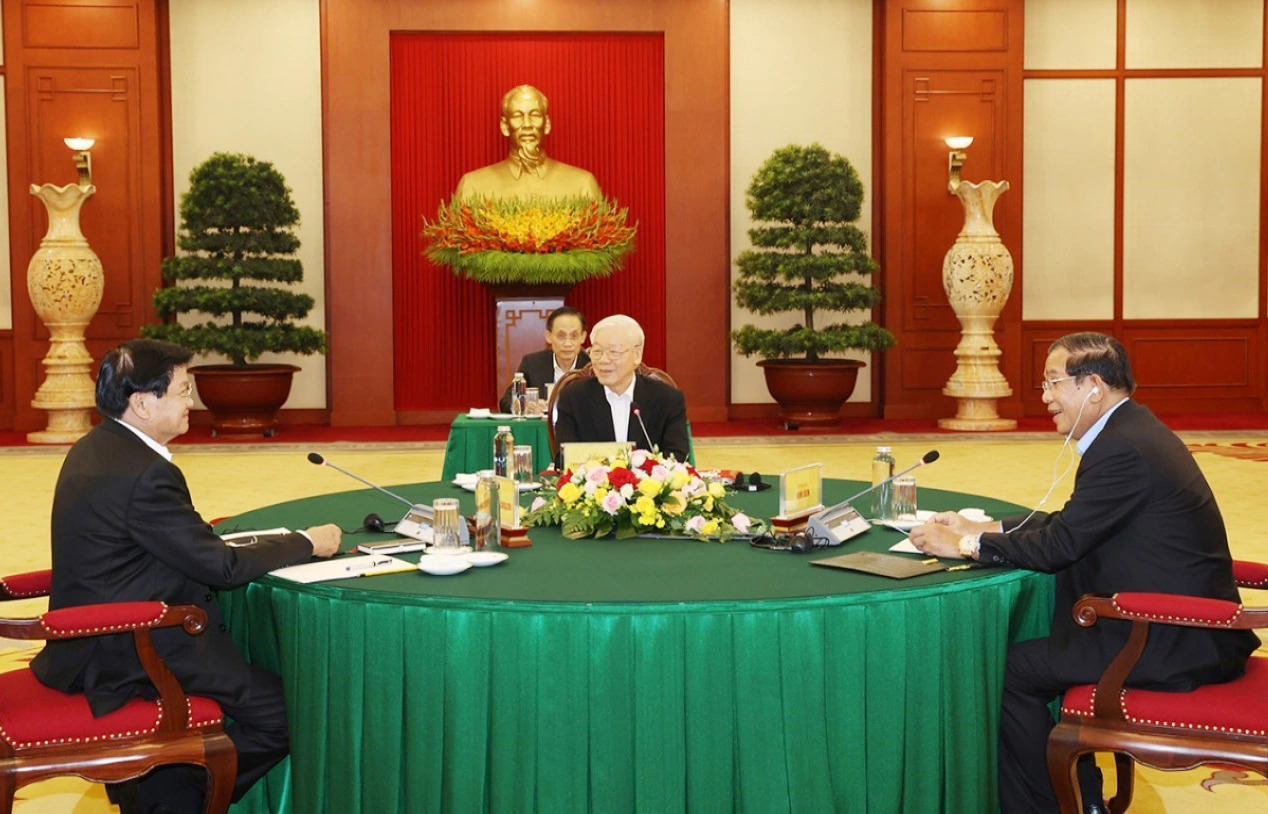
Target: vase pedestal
column 977, row 274
column 65, row 281
column 521, row 323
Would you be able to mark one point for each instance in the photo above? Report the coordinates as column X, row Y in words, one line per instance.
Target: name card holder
column 514, row 534
column 800, row 496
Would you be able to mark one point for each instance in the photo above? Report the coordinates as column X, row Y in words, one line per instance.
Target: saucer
column 447, row 552
column 483, row 559
column 906, row 524
column 443, row 566
column 470, row 485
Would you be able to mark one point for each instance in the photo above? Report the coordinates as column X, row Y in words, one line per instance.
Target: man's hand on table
column 941, row 535
column 325, row 539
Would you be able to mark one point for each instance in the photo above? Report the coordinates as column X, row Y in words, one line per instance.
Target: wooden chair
column 1215, row 723
column 587, row 372
column 45, row 733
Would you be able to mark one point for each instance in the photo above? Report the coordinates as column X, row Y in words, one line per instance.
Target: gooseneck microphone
column 638, row 413
column 314, row 458
column 928, row 458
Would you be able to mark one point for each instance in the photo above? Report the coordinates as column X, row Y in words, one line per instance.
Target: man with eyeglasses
column 1141, row 518
column 125, row 529
column 609, row 406
column 565, row 334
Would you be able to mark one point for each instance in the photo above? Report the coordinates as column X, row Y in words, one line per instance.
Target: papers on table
column 246, row 538
column 905, row 547
column 343, row 568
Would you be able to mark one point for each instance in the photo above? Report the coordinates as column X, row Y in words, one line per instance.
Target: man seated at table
column 565, row 334
column 609, row 406
column 125, row 530
column 1141, row 518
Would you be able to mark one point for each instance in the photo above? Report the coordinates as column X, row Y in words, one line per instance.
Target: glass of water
column 446, row 538
column 523, row 463
column 905, row 497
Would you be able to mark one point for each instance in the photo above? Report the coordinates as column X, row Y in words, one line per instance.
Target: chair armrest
column 1249, row 574
column 28, row 584
column 98, row 620
column 1143, row 609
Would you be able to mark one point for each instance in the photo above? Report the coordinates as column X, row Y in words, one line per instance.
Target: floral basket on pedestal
column 645, row 495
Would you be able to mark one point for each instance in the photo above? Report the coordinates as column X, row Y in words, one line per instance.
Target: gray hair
column 619, row 321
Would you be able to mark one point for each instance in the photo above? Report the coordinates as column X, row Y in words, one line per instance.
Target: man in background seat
column 565, row 334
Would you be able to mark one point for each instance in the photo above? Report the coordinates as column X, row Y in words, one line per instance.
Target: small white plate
column 905, row 524
column 483, row 559
column 433, row 551
column 523, row 487
column 443, row 566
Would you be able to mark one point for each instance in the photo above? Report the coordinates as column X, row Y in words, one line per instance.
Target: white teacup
column 976, row 515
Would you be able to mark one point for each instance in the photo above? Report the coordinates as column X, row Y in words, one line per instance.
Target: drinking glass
column 446, row 538
column 532, row 402
column 905, row 497
column 523, row 464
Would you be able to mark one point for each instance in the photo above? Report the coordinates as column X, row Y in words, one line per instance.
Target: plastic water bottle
column 503, row 452
column 488, row 532
column 883, row 498
column 519, row 401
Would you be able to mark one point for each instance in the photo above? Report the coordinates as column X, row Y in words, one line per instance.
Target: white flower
column 627, row 491
column 741, row 522
column 538, row 502
column 591, row 487
column 660, row 473
column 695, row 524
column 637, row 457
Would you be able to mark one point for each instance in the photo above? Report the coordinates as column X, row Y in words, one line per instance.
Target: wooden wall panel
column 356, row 93
column 943, row 72
column 6, row 379
column 85, row 69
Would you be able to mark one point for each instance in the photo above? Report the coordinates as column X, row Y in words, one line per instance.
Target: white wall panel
column 1194, row 33
column 1068, row 219
column 1191, row 198
column 1069, row 34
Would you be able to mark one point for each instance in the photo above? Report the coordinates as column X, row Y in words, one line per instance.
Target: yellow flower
column 599, row 494
column 648, row 519
column 660, row 522
column 708, row 504
column 717, row 490
column 569, row 493
column 650, row 486
column 680, row 479
column 619, row 463
column 645, row 505
column 710, row 527
column 674, row 503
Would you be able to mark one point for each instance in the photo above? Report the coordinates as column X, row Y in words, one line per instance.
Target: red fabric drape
column 606, row 94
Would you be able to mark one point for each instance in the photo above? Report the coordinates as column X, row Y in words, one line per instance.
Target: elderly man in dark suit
column 619, row 404
column 125, row 529
column 1141, row 518
column 565, row 334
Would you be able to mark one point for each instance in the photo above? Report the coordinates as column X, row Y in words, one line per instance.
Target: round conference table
column 636, row 675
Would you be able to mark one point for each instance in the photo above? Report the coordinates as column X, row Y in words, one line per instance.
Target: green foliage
column 237, row 222
column 570, row 266
column 809, row 198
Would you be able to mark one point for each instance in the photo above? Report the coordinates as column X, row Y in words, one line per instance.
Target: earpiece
column 372, row 522
column 1095, row 390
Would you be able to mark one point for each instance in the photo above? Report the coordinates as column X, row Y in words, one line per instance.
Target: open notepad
column 886, row 565
column 344, row 568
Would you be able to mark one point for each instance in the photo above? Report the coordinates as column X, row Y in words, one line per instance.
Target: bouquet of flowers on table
column 645, row 495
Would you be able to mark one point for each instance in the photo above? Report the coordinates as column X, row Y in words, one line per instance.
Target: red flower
column 620, row 476
column 648, row 464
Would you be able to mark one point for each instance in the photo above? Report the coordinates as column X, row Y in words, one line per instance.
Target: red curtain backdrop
column 606, row 94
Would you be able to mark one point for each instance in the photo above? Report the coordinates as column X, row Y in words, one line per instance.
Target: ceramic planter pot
column 243, row 400
column 810, row 394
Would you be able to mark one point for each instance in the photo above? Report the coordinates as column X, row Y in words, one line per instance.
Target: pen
column 365, row 566
column 964, row 567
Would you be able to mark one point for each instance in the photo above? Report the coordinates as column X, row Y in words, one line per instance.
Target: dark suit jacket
column 1141, row 518
column 124, row 529
column 585, row 415
column 539, row 369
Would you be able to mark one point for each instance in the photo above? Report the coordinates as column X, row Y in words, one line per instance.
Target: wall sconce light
column 955, row 159
column 83, row 159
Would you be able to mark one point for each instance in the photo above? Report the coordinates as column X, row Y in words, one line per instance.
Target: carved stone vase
column 64, row 280
column 977, row 274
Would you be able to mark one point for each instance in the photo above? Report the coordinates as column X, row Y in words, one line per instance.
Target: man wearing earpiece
column 1141, row 518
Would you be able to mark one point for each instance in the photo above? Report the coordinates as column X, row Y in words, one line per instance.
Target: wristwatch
column 969, row 545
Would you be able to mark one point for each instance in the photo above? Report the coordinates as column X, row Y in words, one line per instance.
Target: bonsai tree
column 810, row 198
column 236, row 228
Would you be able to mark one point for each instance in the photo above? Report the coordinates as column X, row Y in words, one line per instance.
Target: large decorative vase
column 810, row 394
column 64, row 280
column 244, row 400
column 977, row 274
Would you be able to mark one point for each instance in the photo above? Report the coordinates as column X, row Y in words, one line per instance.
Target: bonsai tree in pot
column 809, row 258
column 237, row 222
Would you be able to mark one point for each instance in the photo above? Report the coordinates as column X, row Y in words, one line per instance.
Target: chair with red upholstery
column 1216, row 723
column 587, row 372
column 45, row 733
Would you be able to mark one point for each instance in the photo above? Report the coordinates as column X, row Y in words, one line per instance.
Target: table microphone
column 928, row 458
column 313, row 457
column 841, row 521
column 638, row 413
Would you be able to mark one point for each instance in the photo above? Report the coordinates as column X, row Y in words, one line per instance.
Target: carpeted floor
column 227, row 478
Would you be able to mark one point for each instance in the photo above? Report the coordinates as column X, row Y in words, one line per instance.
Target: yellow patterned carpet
column 1015, row 467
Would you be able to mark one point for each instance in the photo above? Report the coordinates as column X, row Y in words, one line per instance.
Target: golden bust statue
column 527, row 171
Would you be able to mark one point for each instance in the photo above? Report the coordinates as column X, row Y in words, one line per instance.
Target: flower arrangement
column 530, row 240
column 645, row 495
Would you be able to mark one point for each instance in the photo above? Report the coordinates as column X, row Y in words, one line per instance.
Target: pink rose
column 741, row 522
column 660, row 473
column 538, row 502
column 597, row 475
column 612, row 502
column 695, row 524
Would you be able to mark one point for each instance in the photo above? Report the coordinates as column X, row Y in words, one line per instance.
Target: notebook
column 886, row 565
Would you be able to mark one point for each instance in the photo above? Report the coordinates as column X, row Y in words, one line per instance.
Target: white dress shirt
column 620, row 405
column 149, row 442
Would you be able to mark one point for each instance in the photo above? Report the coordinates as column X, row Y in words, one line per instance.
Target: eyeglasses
column 1048, row 384
column 597, row 352
column 186, row 392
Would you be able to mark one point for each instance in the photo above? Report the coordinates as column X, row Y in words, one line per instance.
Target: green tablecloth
column 648, row 675
column 470, row 445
